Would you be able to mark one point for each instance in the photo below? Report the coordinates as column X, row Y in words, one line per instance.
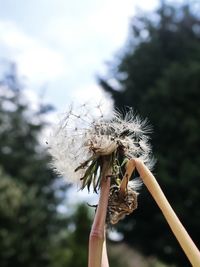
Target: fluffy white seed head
column 79, row 136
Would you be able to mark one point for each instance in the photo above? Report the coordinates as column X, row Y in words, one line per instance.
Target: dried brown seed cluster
column 120, row 205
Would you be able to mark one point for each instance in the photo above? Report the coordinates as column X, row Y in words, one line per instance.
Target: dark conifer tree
column 29, row 191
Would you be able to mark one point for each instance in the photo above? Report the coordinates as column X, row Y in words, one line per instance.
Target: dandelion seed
column 80, row 142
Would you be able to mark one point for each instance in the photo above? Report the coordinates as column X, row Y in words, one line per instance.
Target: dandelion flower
column 80, row 143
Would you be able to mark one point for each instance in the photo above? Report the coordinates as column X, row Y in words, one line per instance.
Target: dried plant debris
column 80, row 144
column 120, row 205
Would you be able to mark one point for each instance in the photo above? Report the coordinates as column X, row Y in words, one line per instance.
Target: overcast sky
column 60, row 45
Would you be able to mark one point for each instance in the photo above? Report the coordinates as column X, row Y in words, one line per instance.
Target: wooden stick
column 97, row 234
column 179, row 231
column 130, row 166
column 104, row 262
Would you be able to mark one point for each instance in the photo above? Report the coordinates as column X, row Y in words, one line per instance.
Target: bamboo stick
column 179, row 231
column 104, row 262
column 130, row 166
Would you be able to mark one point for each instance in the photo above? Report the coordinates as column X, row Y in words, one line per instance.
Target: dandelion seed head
column 80, row 136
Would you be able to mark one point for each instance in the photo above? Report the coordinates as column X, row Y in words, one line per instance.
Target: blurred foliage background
column 158, row 73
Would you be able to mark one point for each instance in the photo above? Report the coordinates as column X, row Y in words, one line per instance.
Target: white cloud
column 64, row 43
column 35, row 59
column 101, row 24
column 93, row 95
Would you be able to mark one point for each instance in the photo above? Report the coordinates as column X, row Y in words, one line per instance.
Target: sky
column 61, row 45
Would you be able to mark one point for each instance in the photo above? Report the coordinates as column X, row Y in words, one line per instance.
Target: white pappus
column 79, row 141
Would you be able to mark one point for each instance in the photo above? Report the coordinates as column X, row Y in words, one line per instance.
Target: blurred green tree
column 79, row 238
column 29, row 191
column 75, row 239
column 158, row 74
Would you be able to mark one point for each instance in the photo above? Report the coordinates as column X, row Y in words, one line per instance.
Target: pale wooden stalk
column 104, row 262
column 179, row 231
column 97, row 234
column 130, row 166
